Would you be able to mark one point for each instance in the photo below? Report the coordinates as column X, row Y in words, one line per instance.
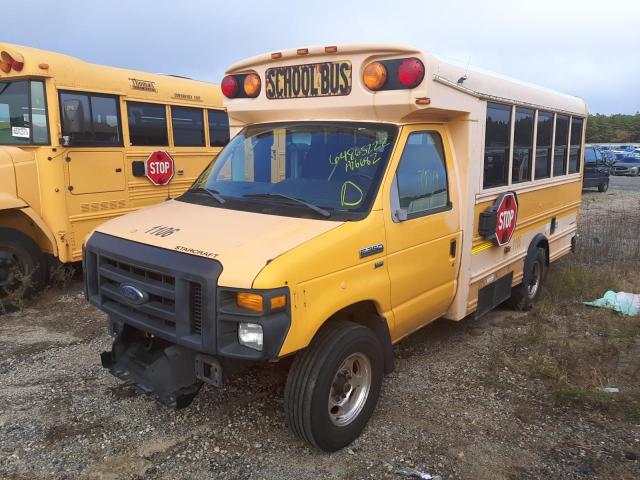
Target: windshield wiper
column 212, row 193
column 311, row 206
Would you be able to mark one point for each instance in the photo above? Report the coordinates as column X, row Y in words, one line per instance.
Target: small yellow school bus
column 368, row 191
column 82, row 143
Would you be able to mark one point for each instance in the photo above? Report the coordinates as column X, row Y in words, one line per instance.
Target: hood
column 244, row 242
column 626, row 163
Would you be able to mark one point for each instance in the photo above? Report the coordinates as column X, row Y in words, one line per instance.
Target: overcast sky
column 586, row 48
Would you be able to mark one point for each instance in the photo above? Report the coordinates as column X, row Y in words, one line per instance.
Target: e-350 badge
column 372, row 250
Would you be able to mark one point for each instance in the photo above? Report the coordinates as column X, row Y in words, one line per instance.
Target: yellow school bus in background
column 75, row 138
column 368, row 191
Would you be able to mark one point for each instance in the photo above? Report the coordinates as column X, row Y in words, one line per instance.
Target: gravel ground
column 445, row 410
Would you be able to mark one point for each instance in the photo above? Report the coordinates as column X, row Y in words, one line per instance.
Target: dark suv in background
column 596, row 169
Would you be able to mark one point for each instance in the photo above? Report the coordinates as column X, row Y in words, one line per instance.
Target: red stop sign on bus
column 159, row 167
column 506, row 217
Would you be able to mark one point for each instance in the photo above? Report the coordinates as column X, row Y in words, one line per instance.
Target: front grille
column 159, row 310
column 173, row 294
column 195, row 299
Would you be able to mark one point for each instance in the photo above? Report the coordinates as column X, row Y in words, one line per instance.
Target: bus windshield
column 305, row 169
column 23, row 113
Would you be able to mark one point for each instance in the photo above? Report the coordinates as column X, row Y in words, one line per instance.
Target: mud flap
column 164, row 371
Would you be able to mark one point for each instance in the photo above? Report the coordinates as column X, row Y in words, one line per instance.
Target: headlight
column 250, row 335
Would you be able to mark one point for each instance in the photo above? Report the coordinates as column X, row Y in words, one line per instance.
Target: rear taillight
column 229, row 86
column 394, row 74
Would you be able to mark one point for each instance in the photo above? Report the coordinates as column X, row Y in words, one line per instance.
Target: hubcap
column 534, row 284
column 350, row 389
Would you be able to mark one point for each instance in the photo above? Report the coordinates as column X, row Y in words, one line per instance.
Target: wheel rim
column 350, row 389
column 534, row 284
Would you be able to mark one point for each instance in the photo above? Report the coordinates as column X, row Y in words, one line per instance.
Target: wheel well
column 20, row 221
column 540, row 241
column 365, row 313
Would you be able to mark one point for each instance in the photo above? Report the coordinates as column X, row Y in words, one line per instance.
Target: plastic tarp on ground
column 622, row 302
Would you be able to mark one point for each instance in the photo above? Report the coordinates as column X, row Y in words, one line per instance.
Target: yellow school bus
column 368, row 191
column 82, row 143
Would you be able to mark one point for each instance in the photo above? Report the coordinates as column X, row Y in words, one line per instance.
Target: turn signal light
column 374, row 76
column 229, row 86
column 252, row 85
column 250, row 301
column 278, row 302
column 410, row 72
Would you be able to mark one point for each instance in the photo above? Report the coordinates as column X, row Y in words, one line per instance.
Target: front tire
column 523, row 296
column 333, row 386
column 22, row 268
column 603, row 187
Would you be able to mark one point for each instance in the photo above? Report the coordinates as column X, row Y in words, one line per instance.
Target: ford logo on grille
column 133, row 294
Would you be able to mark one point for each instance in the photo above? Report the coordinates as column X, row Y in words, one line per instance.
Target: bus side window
column 90, row 120
column 218, row 128
column 147, row 124
column 561, row 145
column 188, row 128
column 421, row 185
column 496, row 145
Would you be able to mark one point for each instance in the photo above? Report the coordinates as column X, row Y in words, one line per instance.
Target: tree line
column 617, row 128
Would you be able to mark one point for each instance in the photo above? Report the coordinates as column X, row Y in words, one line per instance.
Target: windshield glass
column 23, row 113
column 310, row 169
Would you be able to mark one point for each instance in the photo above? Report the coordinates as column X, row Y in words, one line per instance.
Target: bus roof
column 74, row 74
column 448, row 90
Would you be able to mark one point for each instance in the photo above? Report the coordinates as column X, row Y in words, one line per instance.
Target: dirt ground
column 508, row 396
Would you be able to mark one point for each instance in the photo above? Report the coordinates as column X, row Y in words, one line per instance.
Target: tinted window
column 522, row 146
column 23, row 113
column 576, row 143
column 147, row 124
column 496, row 145
column 90, row 119
column 218, row 128
column 188, row 127
column 543, row 145
column 560, row 149
column 590, row 155
column 421, row 178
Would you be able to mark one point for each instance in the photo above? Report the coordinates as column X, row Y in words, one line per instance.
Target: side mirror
column 401, row 215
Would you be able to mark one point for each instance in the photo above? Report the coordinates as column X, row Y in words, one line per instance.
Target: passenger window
column 218, row 128
column 522, row 146
column 543, row 145
column 147, row 124
column 575, row 145
column 496, row 145
column 560, row 151
column 420, row 184
column 90, row 120
column 188, row 127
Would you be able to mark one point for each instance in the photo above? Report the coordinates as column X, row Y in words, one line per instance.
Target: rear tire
column 23, row 269
column 603, row 187
column 523, row 296
column 333, row 386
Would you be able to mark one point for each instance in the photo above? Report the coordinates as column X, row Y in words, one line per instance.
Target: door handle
column 452, row 248
column 118, row 170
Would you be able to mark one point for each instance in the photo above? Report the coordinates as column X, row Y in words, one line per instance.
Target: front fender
column 7, row 176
